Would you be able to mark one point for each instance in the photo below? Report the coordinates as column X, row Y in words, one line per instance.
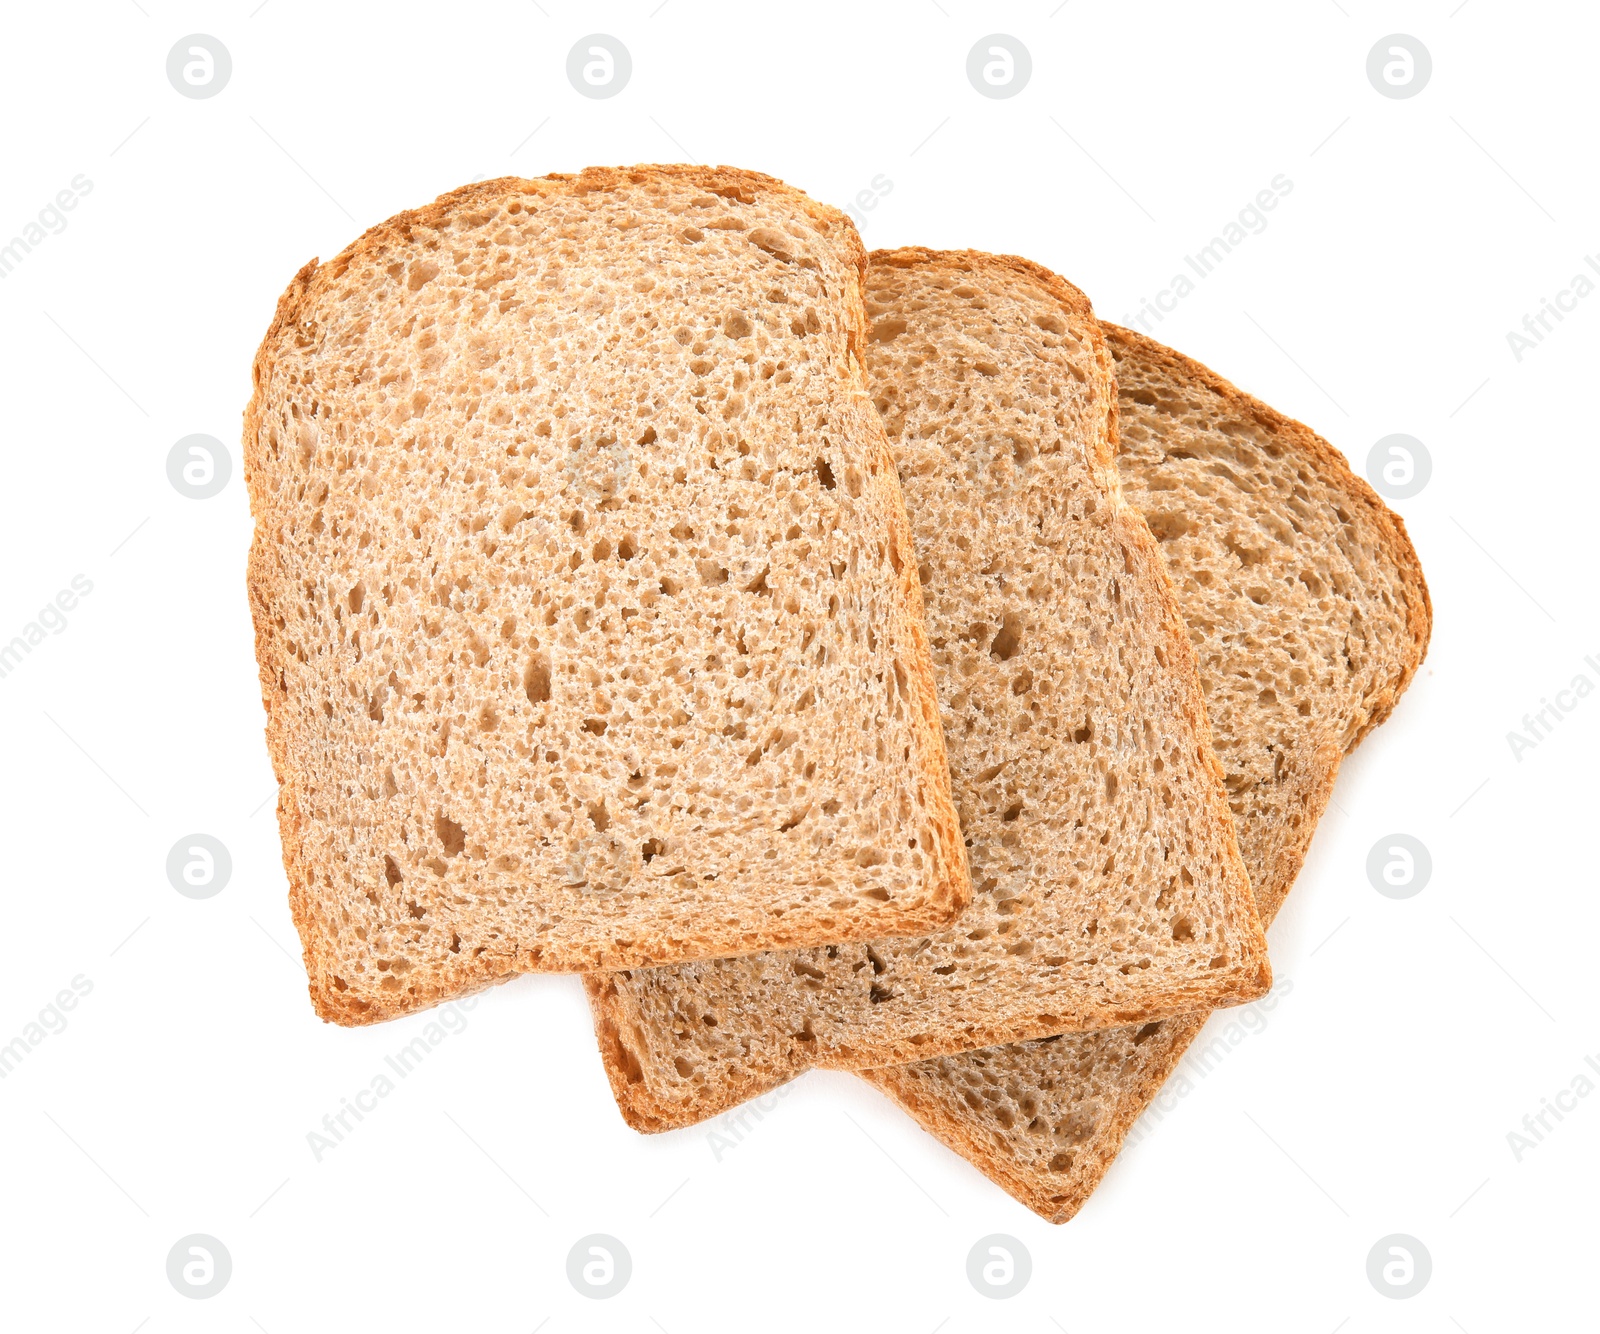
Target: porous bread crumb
column 588, row 627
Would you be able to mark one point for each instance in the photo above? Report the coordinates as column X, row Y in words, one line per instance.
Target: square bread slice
column 1108, row 881
column 1309, row 615
column 586, row 608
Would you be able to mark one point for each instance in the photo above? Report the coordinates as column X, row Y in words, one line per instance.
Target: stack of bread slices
column 868, row 661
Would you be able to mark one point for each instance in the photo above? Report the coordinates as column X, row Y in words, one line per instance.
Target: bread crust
column 925, row 1090
column 944, row 896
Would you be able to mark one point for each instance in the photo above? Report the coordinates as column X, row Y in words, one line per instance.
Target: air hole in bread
column 774, row 242
column 450, row 834
column 536, row 680
column 1009, row 638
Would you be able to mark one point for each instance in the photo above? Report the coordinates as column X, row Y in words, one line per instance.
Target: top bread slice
column 1309, row 615
column 586, row 608
column 1108, row 882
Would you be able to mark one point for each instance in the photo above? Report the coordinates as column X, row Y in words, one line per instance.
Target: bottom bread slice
column 1309, row 615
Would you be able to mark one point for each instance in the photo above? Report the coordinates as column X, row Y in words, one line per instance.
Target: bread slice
column 1309, row 614
column 586, row 608
column 1109, row 884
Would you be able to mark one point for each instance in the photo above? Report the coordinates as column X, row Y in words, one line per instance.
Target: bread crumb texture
column 1309, row 616
column 1108, row 884
column 587, row 617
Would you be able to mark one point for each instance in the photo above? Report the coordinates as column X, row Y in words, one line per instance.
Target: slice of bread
column 586, row 608
column 1108, row 880
column 1309, row 615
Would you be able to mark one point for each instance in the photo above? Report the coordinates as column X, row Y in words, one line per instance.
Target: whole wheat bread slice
column 586, row 609
column 1309, row 615
column 1108, row 881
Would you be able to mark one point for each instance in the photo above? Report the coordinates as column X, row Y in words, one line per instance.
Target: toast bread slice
column 588, row 623
column 1309, row 615
column 1108, row 885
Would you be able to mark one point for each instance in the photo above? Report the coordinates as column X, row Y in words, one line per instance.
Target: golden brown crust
column 944, row 900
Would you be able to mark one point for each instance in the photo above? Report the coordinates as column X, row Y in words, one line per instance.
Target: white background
column 1416, row 1034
